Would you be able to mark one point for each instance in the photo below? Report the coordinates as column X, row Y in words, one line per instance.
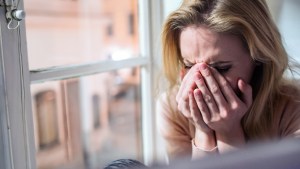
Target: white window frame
column 17, row 146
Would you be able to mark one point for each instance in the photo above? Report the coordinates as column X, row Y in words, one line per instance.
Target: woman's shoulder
column 167, row 100
column 170, row 121
column 291, row 89
column 167, row 108
column 290, row 92
column 290, row 118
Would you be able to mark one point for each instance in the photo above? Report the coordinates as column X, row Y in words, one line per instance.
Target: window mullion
column 150, row 25
column 5, row 161
column 16, row 117
column 58, row 73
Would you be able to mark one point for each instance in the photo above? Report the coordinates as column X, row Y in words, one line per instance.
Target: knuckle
column 215, row 119
column 196, row 76
column 214, row 89
column 224, row 116
column 224, row 113
column 226, row 110
column 200, row 82
column 208, row 72
column 235, row 105
column 207, row 98
column 223, row 82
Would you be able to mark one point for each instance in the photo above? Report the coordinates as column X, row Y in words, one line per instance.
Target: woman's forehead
column 199, row 44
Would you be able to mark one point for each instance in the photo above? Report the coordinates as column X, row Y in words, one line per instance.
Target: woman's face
column 223, row 52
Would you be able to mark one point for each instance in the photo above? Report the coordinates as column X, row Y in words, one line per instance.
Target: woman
column 225, row 64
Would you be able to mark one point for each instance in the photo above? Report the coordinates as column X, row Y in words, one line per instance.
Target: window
column 80, row 37
column 46, row 115
column 131, row 24
column 96, row 110
column 75, row 77
column 78, row 111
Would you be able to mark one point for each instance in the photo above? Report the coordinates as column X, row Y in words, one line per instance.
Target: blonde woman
column 225, row 64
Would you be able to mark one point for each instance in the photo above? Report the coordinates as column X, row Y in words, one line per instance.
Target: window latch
column 13, row 14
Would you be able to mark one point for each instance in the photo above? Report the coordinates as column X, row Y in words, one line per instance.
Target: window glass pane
column 89, row 121
column 62, row 32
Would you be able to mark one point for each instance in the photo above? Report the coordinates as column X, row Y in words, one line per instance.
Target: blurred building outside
column 89, row 121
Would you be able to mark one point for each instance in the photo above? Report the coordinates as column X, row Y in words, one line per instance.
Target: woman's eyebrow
column 219, row 63
column 187, row 61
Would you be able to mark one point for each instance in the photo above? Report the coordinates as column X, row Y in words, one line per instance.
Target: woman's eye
column 223, row 69
column 188, row 66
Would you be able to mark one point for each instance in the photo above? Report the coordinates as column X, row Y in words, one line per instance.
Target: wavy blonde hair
column 251, row 21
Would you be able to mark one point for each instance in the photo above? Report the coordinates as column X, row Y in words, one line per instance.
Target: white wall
column 289, row 26
column 170, row 5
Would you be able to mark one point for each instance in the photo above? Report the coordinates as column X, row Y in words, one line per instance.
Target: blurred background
column 88, row 121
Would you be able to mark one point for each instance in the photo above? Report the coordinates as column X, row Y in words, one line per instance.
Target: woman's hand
column 221, row 109
column 204, row 136
column 186, row 101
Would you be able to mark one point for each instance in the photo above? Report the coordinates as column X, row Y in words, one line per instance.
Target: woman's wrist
column 203, row 144
column 205, row 140
column 203, row 149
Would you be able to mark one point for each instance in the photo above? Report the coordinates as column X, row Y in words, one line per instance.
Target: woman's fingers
column 184, row 107
column 225, row 88
column 202, row 106
column 195, row 114
column 246, row 92
column 196, row 111
column 186, row 84
column 207, row 96
column 213, row 87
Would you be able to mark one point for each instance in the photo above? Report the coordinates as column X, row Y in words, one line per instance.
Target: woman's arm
column 173, row 128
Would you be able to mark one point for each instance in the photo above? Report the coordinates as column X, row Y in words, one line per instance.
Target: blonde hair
column 251, row 21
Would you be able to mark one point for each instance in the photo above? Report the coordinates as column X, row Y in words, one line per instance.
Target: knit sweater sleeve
column 174, row 128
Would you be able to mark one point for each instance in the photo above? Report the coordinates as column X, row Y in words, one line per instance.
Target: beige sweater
column 178, row 131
